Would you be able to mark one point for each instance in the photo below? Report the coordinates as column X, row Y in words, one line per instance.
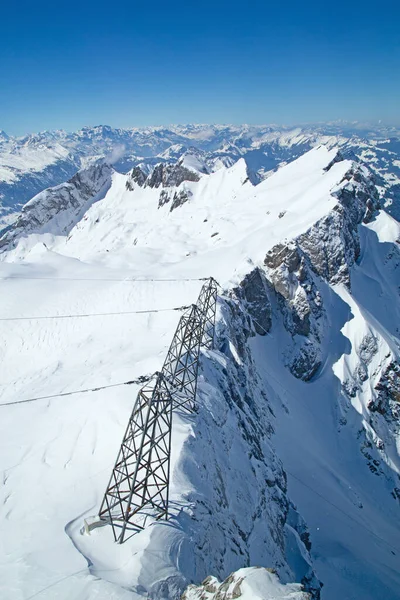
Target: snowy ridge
column 292, row 461
column 31, row 163
column 58, row 209
column 248, row 584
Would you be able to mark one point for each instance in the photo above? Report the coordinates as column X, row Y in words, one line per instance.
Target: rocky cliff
column 248, row 584
column 58, row 209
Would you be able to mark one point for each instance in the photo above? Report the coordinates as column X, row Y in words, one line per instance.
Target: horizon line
column 369, row 123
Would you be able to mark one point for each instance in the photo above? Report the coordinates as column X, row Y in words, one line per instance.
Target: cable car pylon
column 139, row 483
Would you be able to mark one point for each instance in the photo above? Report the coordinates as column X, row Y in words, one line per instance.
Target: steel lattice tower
column 140, row 476
column 207, row 304
column 139, row 483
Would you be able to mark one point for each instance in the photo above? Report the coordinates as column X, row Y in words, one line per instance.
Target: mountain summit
column 31, row 163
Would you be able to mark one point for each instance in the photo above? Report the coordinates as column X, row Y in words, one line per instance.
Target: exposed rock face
column 332, row 245
column 388, row 387
column 266, row 509
column 382, row 386
column 228, row 529
column 300, row 302
column 283, row 254
column 294, row 279
column 327, row 250
column 366, row 351
column 339, row 156
column 293, row 282
column 165, row 197
column 138, row 177
column 168, row 175
column 57, row 209
column 178, row 198
column 256, row 583
column 253, row 290
column 385, row 404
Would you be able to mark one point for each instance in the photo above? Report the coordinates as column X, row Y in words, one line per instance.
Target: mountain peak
column 194, row 160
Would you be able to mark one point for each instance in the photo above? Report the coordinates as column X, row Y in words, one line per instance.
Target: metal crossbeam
column 195, row 329
column 139, row 483
column 207, row 305
column 181, row 365
column 140, row 477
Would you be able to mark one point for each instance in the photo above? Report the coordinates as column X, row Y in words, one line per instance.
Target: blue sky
column 69, row 64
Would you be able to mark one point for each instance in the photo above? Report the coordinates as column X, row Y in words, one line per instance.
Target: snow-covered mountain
column 58, row 209
column 248, row 584
column 292, row 459
column 32, row 163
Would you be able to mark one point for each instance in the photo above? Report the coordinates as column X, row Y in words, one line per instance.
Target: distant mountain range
column 32, row 163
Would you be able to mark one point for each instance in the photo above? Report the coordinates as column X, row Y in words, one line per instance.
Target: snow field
column 57, row 454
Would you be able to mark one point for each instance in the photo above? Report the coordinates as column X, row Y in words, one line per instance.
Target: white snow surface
column 34, row 162
column 246, row 584
column 27, row 158
column 226, row 223
column 194, row 162
column 56, row 454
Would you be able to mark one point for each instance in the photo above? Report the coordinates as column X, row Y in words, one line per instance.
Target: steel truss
column 139, row 483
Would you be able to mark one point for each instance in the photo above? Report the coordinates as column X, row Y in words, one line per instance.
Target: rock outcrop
column 136, row 176
column 327, row 251
column 170, row 175
column 256, row 583
column 332, row 245
column 253, row 292
column 56, row 210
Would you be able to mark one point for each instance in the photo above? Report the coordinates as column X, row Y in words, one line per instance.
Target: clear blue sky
column 69, row 64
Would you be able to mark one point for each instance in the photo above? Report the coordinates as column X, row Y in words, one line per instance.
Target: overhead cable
column 107, row 314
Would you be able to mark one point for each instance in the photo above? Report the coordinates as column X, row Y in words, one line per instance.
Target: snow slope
column 224, row 211
column 34, row 162
column 248, row 584
column 270, row 462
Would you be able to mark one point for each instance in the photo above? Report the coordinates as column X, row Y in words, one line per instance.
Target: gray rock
column 254, row 291
column 306, row 362
column 180, row 198
column 56, row 210
column 286, row 254
column 165, row 197
column 170, row 175
column 332, row 244
column 387, row 401
column 138, row 177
